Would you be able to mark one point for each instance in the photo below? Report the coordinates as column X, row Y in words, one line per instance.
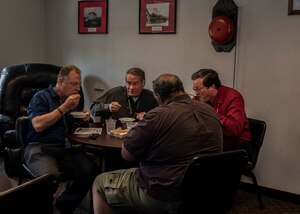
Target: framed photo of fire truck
column 157, row 16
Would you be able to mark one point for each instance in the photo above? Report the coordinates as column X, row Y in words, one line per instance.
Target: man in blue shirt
column 49, row 149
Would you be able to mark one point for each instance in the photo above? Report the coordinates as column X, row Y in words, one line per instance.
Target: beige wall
column 22, row 31
column 263, row 64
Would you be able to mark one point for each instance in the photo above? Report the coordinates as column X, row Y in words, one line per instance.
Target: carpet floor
column 245, row 202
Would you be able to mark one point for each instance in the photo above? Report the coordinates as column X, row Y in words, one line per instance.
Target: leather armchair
column 17, row 86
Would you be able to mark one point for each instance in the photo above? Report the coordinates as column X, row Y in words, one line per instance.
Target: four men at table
column 162, row 150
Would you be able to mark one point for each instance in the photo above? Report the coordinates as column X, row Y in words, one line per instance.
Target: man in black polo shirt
column 131, row 100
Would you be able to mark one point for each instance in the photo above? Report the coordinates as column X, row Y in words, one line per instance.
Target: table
column 103, row 141
column 108, row 147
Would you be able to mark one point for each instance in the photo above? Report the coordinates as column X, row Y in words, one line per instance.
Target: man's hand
column 114, row 106
column 71, row 102
column 87, row 116
column 140, row 115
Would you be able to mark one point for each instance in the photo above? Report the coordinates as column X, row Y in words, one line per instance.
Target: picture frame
column 92, row 17
column 157, row 16
column 294, row 7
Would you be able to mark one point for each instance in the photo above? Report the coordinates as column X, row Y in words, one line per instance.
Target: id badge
column 67, row 143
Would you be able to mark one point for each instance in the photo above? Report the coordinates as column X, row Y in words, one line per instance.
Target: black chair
column 18, row 83
column 22, row 125
column 211, row 182
column 32, row 197
column 258, row 129
column 14, row 163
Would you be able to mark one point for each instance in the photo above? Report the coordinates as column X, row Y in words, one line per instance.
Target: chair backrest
column 258, row 129
column 13, row 157
column 211, row 182
column 32, row 197
column 19, row 83
column 22, row 125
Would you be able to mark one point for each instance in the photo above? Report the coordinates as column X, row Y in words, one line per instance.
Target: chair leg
column 20, row 180
column 91, row 210
column 257, row 190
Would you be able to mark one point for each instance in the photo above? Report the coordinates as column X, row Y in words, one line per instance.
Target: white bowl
column 126, row 119
column 78, row 114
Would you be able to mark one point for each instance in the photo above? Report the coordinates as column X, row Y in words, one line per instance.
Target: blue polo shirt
column 43, row 102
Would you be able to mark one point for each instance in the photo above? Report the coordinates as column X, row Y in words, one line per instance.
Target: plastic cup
column 96, row 119
column 110, row 125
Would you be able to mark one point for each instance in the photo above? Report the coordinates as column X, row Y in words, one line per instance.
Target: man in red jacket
column 228, row 104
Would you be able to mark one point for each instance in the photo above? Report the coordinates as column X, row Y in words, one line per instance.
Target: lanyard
column 130, row 108
column 67, row 142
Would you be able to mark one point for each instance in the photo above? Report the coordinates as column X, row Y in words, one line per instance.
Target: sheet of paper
column 88, row 131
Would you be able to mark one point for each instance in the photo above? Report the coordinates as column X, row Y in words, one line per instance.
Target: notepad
column 88, row 132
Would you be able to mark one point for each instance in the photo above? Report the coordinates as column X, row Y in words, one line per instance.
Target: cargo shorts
column 122, row 192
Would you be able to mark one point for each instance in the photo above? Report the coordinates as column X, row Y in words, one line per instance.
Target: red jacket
column 230, row 107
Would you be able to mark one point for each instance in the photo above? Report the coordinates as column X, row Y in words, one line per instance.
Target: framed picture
column 294, row 7
column 157, row 16
column 92, row 16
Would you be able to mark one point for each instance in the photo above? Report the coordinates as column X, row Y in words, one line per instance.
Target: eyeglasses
column 74, row 84
column 67, row 81
column 198, row 88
